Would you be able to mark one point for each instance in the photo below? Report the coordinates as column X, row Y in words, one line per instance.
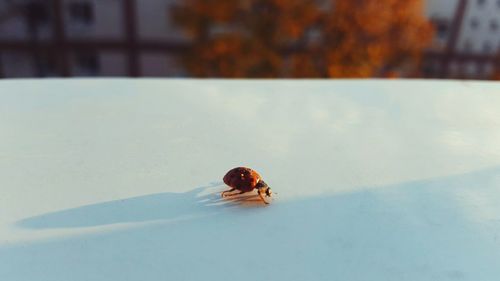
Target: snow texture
column 116, row 179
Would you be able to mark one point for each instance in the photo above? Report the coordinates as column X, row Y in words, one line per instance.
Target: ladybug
column 245, row 180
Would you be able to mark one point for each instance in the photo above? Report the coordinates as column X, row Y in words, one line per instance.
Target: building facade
column 467, row 39
column 40, row 38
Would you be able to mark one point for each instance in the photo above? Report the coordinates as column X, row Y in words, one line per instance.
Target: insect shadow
column 201, row 201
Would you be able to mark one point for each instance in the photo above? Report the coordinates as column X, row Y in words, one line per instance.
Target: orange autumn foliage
column 302, row 38
column 371, row 37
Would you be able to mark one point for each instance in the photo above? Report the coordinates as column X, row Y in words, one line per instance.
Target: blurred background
column 251, row 38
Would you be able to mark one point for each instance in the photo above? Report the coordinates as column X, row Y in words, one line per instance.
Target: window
column 467, row 46
column 487, row 47
column 442, row 27
column 88, row 62
column 81, row 12
column 36, row 13
column 493, row 25
column 455, row 68
column 479, row 69
column 46, row 65
column 474, row 23
column 429, row 69
column 489, row 68
column 442, row 30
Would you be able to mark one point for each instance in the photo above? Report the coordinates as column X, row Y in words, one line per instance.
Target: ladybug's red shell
column 241, row 178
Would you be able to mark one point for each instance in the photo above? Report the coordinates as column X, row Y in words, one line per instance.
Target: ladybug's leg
column 224, row 192
column 233, row 194
column 261, row 195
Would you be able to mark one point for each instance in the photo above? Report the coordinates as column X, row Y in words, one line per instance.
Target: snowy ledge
column 117, row 179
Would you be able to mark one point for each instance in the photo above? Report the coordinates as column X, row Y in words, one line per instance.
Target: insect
column 245, row 180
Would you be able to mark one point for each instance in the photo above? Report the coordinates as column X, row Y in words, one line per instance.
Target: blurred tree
column 242, row 38
column 366, row 38
column 496, row 75
column 302, row 38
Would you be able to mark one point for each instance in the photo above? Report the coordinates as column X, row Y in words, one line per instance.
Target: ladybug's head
column 264, row 188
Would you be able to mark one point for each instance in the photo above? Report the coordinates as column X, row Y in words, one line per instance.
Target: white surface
column 376, row 180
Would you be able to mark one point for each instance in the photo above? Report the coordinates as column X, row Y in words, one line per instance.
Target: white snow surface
column 118, row 179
